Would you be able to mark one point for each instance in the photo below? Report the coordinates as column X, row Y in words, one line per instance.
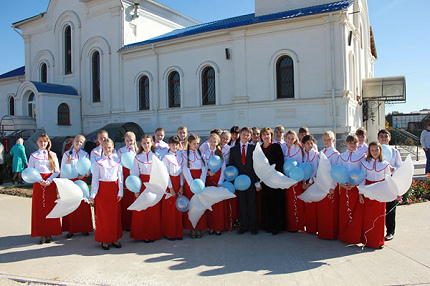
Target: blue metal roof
column 54, row 88
column 14, row 73
column 244, row 21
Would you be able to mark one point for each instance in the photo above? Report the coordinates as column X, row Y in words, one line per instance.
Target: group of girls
column 343, row 214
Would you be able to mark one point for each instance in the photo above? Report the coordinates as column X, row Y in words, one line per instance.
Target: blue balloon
column 215, row 163
column 231, row 173
column 229, row 186
column 127, row 160
column 242, row 183
column 387, row 153
column 308, row 170
column 69, row 171
column 297, row 174
column 340, row 174
column 84, row 188
column 288, row 165
column 197, row 186
column 31, row 175
column 356, row 176
column 83, row 166
column 182, row 203
column 133, row 183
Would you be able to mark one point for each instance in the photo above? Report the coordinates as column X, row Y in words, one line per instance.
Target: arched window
column 143, row 93
column 95, row 70
column 43, row 73
column 63, row 114
column 31, row 106
column 68, row 50
column 174, row 89
column 285, row 77
column 208, row 86
column 11, row 106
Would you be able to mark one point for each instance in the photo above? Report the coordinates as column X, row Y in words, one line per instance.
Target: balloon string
column 296, row 213
column 43, row 196
column 230, row 214
column 373, row 226
column 349, row 211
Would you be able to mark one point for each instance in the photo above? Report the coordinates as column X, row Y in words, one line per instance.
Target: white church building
column 90, row 63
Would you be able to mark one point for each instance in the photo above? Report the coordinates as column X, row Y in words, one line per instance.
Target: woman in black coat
column 272, row 200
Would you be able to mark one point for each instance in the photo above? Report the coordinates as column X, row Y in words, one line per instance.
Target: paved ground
column 288, row 258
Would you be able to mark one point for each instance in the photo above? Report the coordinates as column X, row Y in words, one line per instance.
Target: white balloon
column 155, row 188
column 402, row 177
column 199, row 203
column 322, row 184
column 267, row 172
column 70, row 198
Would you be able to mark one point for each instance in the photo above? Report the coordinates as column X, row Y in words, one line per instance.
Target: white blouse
column 351, row 160
column 142, row 164
column 39, row 160
column 332, row 155
column 126, row 149
column 196, row 163
column 173, row 163
column 313, row 158
column 226, row 153
column 375, row 170
column 74, row 157
column 161, row 148
column 362, row 148
column 107, row 169
column 207, row 155
column 294, row 152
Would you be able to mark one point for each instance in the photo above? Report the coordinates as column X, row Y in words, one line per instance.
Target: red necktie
column 243, row 154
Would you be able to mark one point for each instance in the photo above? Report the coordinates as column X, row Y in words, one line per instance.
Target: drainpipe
column 333, row 74
column 157, row 101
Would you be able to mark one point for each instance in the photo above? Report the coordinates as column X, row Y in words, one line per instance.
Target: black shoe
column 117, row 245
column 275, row 232
column 105, row 247
column 85, row 234
column 48, row 240
column 218, row 233
column 193, row 234
column 211, row 232
column 241, row 231
column 178, row 238
column 254, row 232
column 199, row 234
column 170, row 238
column 146, row 241
column 69, row 235
column 389, row 237
column 381, row 247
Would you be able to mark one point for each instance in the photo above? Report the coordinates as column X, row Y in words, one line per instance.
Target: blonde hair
column 329, row 134
column 369, row 156
column 185, row 146
column 280, row 128
column 132, row 135
column 77, row 137
column 218, row 150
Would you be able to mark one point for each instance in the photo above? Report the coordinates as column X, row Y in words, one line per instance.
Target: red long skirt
column 328, row 216
column 295, row 216
column 108, row 222
column 127, row 199
column 311, row 220
column 42, row 203
column 171, row 218
column 202, row 224
column 373, row 222
column 80, row 220
column 350, row 216
column 146, row 224
column 216, row 220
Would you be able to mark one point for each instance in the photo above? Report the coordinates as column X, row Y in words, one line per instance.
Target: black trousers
column 1, row 174
column 248, row 208
column 390, row 218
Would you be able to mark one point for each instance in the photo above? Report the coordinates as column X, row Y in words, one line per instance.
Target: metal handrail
column 402, row 135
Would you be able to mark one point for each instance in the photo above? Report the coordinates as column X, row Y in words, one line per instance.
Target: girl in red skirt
column 171, row 218
column 106, row 194
column 375, row 169
column 145, row 224
column 80, row 220
column 216, row 221
column 328, row 208
column 350, row 209
column 128, row 198
column 295, row 208
column 194, row 168
column 44, row 192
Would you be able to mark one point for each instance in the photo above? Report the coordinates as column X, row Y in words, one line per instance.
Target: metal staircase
column 403, row 136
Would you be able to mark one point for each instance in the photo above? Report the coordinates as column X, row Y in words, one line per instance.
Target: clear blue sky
column 401, row 29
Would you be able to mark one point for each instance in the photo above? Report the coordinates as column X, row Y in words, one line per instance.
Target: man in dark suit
column 241, row 158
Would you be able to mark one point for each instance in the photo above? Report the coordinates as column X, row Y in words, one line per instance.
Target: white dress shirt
column 107, row 169
column 375, row 170
column 142, row 164
column 294, row 152
column 173, row 163
column 207, row 155
column 351, row 160
column 74, row 158
column 39, row 160
column 196, row 163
